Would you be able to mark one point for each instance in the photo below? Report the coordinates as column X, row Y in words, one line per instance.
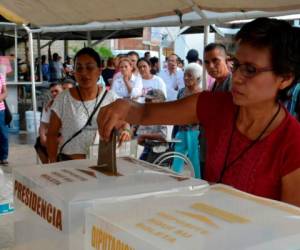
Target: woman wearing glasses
column 253, row 144
column 76, row 110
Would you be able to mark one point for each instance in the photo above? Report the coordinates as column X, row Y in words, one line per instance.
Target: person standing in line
column 127, row 84
column 56, row 68
column 147, row 55
column 193, row 56
column 155, row 65
column 108, row 72
column 215, row 61
column 41, row 142
column 134, row 57
column 173, row 77
column 150, row 81
column 188, row 135
column 3, row 126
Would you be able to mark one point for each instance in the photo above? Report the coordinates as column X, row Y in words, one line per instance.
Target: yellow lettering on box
column 104, row 240
column 219, row 213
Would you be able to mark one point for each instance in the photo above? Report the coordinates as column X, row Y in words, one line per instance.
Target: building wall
column 129, row 43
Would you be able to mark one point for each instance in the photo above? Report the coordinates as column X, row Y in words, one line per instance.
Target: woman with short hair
column 253, row 143
column 188, row 135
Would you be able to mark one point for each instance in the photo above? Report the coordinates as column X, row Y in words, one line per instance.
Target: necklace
column 247, row 148
column 82, row 102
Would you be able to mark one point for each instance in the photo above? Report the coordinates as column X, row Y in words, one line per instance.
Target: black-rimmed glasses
column 248, row 70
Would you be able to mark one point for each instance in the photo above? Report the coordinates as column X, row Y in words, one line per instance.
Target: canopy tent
column 58, row 12
column 94, row 35
column 51, row 16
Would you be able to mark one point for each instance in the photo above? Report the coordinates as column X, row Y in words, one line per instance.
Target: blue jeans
column 189, row 146
column 3, row 138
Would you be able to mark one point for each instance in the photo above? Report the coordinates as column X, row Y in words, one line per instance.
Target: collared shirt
column 119, row 86
column 173, row 81
column 224, row 86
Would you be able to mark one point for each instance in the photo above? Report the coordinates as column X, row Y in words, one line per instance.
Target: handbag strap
column 5, row 104
column 88, row 122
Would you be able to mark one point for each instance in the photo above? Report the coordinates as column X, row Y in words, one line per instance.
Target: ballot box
column 214, row 218
column 50, row 200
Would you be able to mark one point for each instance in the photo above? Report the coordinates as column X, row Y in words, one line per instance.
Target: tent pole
column 66, row 45
column 89, row 39
column 39, row 56
column 32, row 79
column 16, row 56
column 205, row 42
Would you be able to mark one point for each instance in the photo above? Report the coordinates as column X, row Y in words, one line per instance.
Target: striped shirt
column 2, row 83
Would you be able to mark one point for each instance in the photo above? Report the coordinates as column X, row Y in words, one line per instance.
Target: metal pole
column 16, row 56
column 205, row 42
column 39, row 56
column 66, row 45
column 33, row 93
column 160, row 54
column 89, row 39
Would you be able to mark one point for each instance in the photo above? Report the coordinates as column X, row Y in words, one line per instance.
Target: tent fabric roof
column 59, row 12
column 94, row 35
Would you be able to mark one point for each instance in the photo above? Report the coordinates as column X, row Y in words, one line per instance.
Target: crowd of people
column 252, row 142
column 127, row 76
column 228, row 131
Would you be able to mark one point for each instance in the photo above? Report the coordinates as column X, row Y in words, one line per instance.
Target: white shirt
column 174, row 82
column 120, row 88
column 46, row 115
column 73, row 117
column 154, row 83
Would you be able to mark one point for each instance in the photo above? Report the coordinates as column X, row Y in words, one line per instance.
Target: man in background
column 41, row 141
column 215, row 61
column 173, row 77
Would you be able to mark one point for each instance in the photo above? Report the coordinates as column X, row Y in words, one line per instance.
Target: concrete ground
column 21, row 153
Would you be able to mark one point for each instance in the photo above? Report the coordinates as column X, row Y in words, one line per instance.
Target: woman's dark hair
column 153, row 60
column 143, row 59
column 282, row 39
column 90, row 52
column 110, row 62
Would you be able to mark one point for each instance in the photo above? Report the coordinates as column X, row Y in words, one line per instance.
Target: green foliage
column 104, row 52
column 74, row 49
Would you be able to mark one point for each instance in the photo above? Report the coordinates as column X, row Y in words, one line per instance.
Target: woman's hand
column 125, row 135
column 128, row 84
column 126, row 78
column 114, row 115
